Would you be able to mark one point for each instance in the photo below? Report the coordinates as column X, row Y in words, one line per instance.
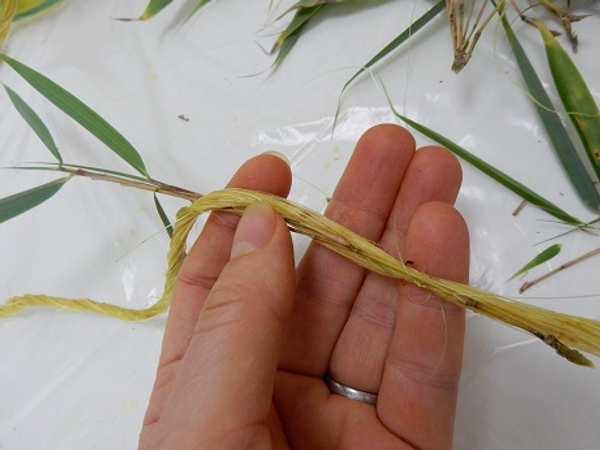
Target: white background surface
column 73, row 381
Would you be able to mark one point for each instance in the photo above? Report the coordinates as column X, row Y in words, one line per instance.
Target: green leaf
column 310, row 3
column 163, row 217
column 502, row 178
column 575, row 95
column 29, row 8
column 561, row 142
column 153, row 8
column 196, row 8
column 399, row 40
column 81, row 113
column 291, row 34
column 305, row 4
column 17, row 204
column 285, row 48
column 541, row 258
column 34, row 122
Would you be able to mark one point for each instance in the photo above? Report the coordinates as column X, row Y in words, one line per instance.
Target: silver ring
column 335, row 387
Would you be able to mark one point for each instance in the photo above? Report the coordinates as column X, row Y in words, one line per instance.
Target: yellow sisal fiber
column 565, row 333
column 8, row 9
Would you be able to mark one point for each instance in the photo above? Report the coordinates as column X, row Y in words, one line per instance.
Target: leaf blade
column 558, row 136
column 28, row 8
column 504, row 179
column 17, row 204
column 163, row 216
column 544, row 256
column 290, row 35
column 153, row 8
column 399, row 40
column 575, row 96
column 34, row 121
column 81, row 113
column 196, row 8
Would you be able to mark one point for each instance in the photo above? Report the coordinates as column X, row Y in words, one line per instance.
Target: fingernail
column 255, row 229
column 278, row 155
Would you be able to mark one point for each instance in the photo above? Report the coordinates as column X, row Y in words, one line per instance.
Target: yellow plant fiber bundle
column 8, row 9
column 565, row 333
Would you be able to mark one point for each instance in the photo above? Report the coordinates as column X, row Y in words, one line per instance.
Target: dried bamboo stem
column 146, row 184
column 564, row 266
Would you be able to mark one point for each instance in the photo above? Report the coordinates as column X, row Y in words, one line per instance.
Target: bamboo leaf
column 285, row 48
column 34, row 122
column 152, row 9
column 17, row 204
column 541, row 258
column 562, row 144
column 575, row 95
column 28, row 8
column 290, row 35
column 304, row 4
column 81, row 113
column 196, row 8
column 163, row 217
column 310, row 3
column 502, row 178
column 399, row 40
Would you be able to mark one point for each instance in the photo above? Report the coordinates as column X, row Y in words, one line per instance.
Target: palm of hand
column 369, row 332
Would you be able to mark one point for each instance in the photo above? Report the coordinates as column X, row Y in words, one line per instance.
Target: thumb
column 226, row 380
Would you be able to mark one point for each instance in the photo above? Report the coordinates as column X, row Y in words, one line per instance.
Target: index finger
column 202, row 267
column 210, row 252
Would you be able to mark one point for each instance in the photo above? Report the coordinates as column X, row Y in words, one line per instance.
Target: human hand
column 249, row 340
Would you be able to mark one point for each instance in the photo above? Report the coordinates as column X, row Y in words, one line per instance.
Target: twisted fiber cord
column 558, row 330
column 175, row 258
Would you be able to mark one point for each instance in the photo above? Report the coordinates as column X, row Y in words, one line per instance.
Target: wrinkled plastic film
column 182, row 97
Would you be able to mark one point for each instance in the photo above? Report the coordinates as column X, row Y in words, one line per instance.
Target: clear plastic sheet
column 181, row 95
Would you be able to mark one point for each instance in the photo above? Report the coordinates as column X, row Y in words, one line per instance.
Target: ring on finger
column 335, row 387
